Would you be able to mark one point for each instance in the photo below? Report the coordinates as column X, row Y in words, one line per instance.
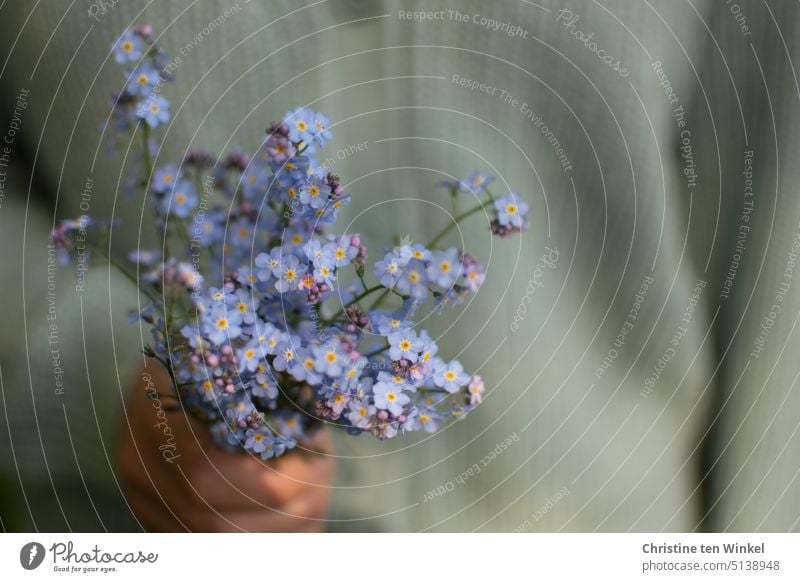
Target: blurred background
column 641, row 373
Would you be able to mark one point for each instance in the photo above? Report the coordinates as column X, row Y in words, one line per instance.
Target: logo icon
column 31, row 555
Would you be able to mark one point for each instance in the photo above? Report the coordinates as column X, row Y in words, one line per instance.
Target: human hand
column 176, row 479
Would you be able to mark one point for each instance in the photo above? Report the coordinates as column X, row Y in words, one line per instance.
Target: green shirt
column 637, row 342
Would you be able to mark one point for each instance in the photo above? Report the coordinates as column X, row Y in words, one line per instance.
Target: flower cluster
column 140, row 98
column 266, row 320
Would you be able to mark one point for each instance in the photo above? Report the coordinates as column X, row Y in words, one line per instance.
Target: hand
column 177, row 479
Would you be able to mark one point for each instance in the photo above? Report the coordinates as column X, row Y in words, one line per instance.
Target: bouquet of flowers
column 269, row 324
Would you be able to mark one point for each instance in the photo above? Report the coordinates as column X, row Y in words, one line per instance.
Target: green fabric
column 709, row 441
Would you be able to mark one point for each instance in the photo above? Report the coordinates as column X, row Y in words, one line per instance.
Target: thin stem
column 358, row 298
column 380, row 299
column 148, row 163
column 452, row 225
column 376, row 352
column 361, row 278
column 130, row 276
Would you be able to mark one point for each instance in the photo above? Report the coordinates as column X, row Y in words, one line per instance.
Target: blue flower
column 450, row 376
column 306, row 371
column 405, row 346
column 390, row 269
column 181, row 201
column 337, row 402
column 291, row 271
column 165, row 178
column 257, row 440
column 154, row 110
column 328, row 359
column 315, row 193
column 344, row 250
column 286, row 355
column 222, row 325
column 318, row 254
column 265, row 387
column 511, row 211
column 321, row 133
column 144, row 256
column 361, row 413
column 246, row 304
column 476, row 182
column 269, row 264
column 413, row 283
column 221, row 296
column 267, row 335
column 429, row 348
column 389, row 323
column 324, row 274
column 278, row 447
column 301, row 125
column 426, row 419
column 143, row 80
column 444, row 267
column 420, row 253
column 255, row 182
column 250, row 356
column 389, row 397
column 128, row 48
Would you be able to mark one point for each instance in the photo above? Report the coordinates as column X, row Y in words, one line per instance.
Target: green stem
column 148, row 163
column 122, row 270
column 376, row 352
column 358, row 298
column 452, row 225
